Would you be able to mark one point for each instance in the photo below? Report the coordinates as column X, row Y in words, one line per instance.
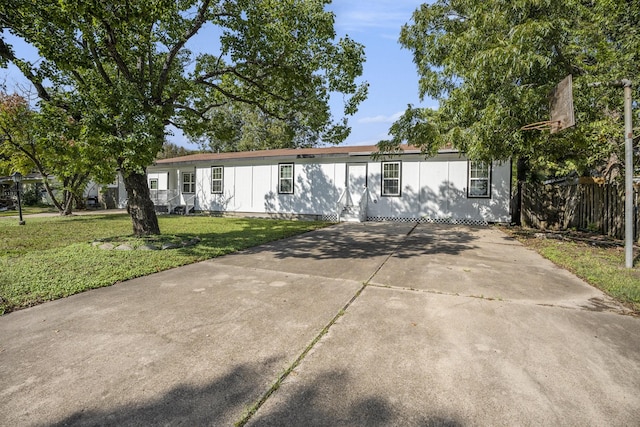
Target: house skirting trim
column 426, row 220
column 272, row 215
column 334, row 218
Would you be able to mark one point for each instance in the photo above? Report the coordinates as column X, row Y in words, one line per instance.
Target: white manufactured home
column 335, row 183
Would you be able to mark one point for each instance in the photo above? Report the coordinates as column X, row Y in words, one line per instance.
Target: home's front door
column 356, row 182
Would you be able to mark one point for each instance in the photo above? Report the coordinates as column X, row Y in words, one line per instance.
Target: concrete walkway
column 74, row 213
column 353, row 325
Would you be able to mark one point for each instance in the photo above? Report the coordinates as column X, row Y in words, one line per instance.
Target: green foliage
column 492, row 64
column 171, row 150
column 50, row 258
column 30, row 196
column 51, row 142
column 132, row 73
column 246, row 128
column 419, row 126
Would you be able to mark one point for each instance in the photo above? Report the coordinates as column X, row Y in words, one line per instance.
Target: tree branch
column 201, row 112
column 232, row 96
column 77, row 76
column 112, row 48
column 198, row 22
column 36, row 162
column 96, row 60
column 7, row 53
column 260, row 87
column 234, row 71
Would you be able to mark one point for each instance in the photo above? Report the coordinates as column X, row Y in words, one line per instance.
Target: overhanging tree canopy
column 51, row 142
column 130, row 65
column 493, row 63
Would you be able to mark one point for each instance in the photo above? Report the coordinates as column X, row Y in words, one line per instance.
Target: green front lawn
column 29, row 210
column 50, row 258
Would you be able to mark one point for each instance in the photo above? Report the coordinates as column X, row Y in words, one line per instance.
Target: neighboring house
column 34, row 181
column 29, row 181
column 335, row 183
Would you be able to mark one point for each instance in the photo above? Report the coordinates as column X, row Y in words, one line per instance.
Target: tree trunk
column 521, row 176
column 66, row 198
column 64, row 208
column 139, row 204
column 66, row 203
column 78, row 202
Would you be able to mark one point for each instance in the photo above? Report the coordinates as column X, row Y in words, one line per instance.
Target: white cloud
column 381, row 118
column 363, row 15
column 370, row 140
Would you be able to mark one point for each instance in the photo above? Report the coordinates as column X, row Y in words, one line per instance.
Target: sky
column 389, row 69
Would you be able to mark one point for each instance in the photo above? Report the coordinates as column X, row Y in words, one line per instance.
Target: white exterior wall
column 162, row 177
column 435, row 188
column 122, row 193
column 91, row 190
column 254, row 189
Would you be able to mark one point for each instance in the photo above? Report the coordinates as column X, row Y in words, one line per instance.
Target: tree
column 50, row 142
column 170, row 150
column 492, row 64
column 247, row 128
column 131, row 67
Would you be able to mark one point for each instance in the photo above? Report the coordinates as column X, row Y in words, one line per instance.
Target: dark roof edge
column 301, row 153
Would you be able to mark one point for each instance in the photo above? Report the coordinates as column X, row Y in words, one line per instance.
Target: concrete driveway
column 355, row 325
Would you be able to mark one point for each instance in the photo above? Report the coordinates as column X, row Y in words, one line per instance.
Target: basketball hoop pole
column 628, row 167
column 628, row 175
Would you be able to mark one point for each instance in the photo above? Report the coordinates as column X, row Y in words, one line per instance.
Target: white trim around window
column 188, row 182
column 391, row 179
column 285, row 178
column 153, row 183
column 479, row 177
column 217, row 179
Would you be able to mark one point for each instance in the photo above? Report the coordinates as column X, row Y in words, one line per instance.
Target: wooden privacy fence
column 594, row 207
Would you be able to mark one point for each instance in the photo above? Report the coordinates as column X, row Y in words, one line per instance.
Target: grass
column 50, row 258
column 29, row 210
column 599, row 261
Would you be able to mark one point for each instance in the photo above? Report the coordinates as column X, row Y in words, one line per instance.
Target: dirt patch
column 587, row 238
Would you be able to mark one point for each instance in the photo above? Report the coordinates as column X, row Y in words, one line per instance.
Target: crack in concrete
column 276, row 385
column 598, row 305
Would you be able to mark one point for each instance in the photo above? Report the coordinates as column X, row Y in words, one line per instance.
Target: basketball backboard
column 561, row 105
column 561, row 109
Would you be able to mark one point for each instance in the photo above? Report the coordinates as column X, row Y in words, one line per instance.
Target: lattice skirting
column 424, row 220
column 329, row 217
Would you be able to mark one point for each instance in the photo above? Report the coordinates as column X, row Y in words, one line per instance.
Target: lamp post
column 17, row 178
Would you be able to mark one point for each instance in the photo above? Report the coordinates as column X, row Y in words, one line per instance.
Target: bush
column 31, row 195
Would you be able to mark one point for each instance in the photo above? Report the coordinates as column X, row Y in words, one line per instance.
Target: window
column 479, row 179
column 188, row 182
column 391, row 178
column 285, row 178
column 153, row 184
column 216, row 179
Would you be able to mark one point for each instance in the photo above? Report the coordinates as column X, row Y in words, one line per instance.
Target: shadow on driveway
column 224, row 401
column 370, row 240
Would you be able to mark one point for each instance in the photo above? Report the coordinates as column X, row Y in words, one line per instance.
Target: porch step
column 349, row 214
column 180, row 210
